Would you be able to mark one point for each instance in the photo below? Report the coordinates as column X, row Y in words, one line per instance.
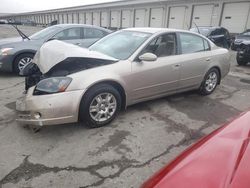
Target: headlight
column 4, row 51
column 52, row 85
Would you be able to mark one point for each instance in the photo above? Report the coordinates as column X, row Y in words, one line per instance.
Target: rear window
column 93, row 33
column 192, row 43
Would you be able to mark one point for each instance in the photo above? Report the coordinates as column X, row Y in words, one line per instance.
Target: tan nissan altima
column 66, row 83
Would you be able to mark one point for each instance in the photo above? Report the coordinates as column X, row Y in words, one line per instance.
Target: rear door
column 155, row 78
column 194, row 59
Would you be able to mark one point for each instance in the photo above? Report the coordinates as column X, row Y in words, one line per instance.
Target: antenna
column 197, row 28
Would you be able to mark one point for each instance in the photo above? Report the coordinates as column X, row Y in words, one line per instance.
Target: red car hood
column 219, row 160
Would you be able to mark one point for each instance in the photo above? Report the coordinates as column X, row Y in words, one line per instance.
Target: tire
column 101, row 110
column 22, row 60
column 240, row 61
column 210, row 82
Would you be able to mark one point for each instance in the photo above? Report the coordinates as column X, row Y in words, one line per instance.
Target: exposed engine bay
column 58, row 59
column 66, row 67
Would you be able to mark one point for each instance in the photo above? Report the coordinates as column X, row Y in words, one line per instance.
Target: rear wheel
column 100, row 105
column 210, row 82
column 21, row 61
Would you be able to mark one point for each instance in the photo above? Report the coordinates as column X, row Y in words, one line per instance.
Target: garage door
column 126, row 19
column 140, row 15
column 115, row 19
column 65, row 18
column 202, row 15
column 104, row 19
column 234, row 16
column 75, row 18
column 156, row 17
column 70, row 18
column 96, row 18
column 81, row 18
column 42, row 19
column 177, row 17
column 60, row 18
column 48, row 19
column 89, row 18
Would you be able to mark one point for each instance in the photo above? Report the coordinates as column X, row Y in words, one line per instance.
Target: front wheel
column 210, row 82
column 100, row 105
column 21, row 61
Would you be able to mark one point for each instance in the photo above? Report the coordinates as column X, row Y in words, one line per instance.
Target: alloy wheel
column 211, row 81
column 103, row 107
column 23, row 62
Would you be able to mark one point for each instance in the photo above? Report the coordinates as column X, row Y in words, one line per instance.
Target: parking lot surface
column 123, row 154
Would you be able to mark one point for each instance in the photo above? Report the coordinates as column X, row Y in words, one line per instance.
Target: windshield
column 120, row 45
column 203, row 31
column 44, row 33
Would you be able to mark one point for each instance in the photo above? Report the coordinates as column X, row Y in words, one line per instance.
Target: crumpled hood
column 53, row 52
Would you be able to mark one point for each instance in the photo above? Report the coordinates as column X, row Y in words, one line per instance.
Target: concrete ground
column 123, row 154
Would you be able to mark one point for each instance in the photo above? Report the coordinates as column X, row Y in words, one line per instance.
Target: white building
column 182, row 14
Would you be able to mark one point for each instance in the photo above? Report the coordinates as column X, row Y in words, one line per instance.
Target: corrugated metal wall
column 231, row 14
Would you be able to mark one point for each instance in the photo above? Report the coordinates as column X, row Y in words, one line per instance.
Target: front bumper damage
column 40, row 110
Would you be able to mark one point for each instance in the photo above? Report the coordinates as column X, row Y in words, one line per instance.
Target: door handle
column 78, row 44
column 208, row 59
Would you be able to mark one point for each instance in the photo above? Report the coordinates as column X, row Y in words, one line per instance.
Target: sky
column 18, row 6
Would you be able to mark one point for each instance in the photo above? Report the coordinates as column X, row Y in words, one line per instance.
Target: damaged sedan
column 66, row 83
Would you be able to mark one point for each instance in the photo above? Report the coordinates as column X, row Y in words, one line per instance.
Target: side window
column 164, row 45
column 191, row 43
column 69, row 34
column 92, row 33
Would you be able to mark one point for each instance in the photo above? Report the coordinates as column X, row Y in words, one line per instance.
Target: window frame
column 155, row 37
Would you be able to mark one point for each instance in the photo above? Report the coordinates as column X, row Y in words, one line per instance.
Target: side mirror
column 148, row 57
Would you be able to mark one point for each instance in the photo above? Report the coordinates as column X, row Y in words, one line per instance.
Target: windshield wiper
column 21, row 33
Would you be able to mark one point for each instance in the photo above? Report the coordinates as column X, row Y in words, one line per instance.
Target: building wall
column 181, row 14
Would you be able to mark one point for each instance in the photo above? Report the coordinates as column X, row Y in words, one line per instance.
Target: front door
column 155, row 78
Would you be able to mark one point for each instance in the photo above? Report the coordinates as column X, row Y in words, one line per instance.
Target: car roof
column 80, row 25
column 153, row 30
